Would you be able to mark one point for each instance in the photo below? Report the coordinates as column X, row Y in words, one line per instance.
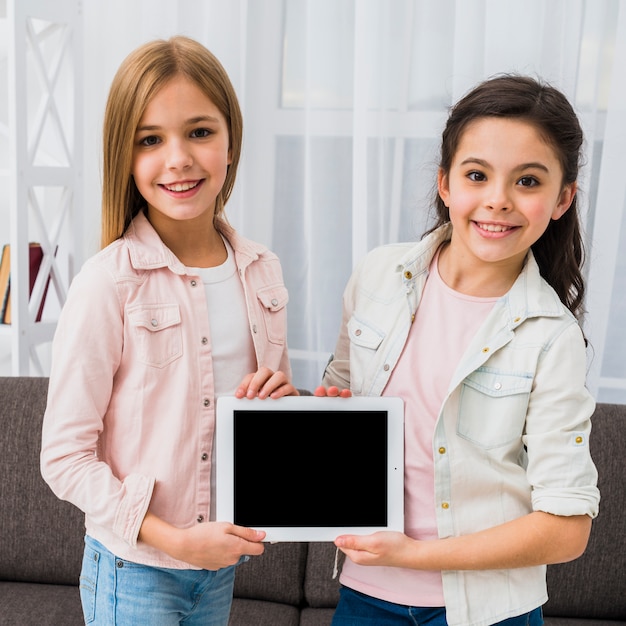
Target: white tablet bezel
column 395, row 459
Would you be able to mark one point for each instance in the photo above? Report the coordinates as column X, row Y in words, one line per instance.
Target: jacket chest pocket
column 157, row 331
column 273, row 301
column 363, row 335
column 492, row 408
column 365, row 341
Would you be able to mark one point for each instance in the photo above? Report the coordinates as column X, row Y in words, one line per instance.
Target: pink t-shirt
column 444, row 325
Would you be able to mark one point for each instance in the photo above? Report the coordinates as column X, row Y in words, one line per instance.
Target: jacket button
column 206, row 402
column 442, row 450
column 204, row 341
column 445, row 505
column 357, row 332
column 200, row 519
column 274, row 302
column 486, row 349
column 386, row 367
column 193, row 283
column 408, row 275
column 154, row 322
column 204, row 456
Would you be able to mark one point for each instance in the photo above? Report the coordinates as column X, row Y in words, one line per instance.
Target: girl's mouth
column 494, row 228
column 178, row 187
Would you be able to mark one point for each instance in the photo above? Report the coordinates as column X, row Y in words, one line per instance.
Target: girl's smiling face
column 504, row 186
column 181, row 153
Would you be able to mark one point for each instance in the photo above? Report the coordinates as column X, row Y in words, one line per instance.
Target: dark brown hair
column 559, row 251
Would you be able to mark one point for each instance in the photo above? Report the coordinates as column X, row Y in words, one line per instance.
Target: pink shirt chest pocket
column 273, row 301
column 155, row 333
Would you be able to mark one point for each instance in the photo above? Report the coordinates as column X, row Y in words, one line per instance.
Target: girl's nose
column 497, row 197
column 178, row 155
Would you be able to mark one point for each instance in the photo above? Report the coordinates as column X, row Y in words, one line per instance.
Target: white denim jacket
column 514, row 425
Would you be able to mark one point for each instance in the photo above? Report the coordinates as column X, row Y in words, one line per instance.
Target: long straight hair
column 140, row 76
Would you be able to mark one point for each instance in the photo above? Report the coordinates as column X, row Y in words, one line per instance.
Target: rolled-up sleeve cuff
column 580, row 501
column 133, row 507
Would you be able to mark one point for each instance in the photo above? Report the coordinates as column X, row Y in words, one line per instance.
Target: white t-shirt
column 232, row 350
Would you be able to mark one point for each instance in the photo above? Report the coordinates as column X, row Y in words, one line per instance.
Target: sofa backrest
column 594, row 585
column 275, row 576
column 321, row 590
column 41, row 537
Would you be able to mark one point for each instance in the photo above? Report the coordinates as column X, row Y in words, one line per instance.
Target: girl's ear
column 565, row 200
column 442, row 186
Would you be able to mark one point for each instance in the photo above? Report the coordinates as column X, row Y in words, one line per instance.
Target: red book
column 5, row 270
column 35, row 257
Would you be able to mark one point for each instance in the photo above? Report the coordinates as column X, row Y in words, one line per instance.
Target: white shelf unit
column 40, row 165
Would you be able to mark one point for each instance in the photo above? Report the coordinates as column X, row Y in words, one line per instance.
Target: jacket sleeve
column 86, row 353
column 337, row 370
column 560, row 469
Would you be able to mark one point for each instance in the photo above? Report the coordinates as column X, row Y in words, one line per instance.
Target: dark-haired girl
column 477, row 328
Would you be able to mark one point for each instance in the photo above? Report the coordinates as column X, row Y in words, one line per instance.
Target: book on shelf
column 35, row 257
column 5, row 272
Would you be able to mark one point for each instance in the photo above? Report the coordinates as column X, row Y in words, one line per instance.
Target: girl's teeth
column 494, row 228
column 181, row 186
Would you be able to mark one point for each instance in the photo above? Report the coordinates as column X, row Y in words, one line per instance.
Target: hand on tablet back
column 265, row 383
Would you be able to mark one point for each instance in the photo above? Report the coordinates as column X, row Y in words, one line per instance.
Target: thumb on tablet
column 249, row 534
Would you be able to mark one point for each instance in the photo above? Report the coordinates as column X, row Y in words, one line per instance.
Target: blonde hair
column 140, row 76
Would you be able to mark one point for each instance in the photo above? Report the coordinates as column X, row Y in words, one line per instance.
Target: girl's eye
column 528, row 181
column 200, row 132
column 476, row 176
column 151, row 140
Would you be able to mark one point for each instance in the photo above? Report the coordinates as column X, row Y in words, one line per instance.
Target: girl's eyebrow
column 522, row 166
column 190, row 122
column 534, row 165
column 203, row 118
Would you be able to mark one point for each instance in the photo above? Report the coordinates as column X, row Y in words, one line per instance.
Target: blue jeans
column 121, row 593
column 358, row 609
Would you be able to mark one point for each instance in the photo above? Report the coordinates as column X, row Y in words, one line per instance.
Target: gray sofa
column 291, row 584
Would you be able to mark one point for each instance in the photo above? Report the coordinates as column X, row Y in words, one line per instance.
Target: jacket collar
column 417, row 260
column 147, row 250
column 530, row 295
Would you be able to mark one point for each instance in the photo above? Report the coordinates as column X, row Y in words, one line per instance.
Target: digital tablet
column 304, row 468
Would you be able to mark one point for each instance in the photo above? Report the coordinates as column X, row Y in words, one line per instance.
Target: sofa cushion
column 276, row 576
column 41, row 605
column 42, row 537
column 316, row 617
column 262, row 613
column 602, row 594
column 573, row 621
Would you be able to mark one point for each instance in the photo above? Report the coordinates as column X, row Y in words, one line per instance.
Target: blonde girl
column 174, row 311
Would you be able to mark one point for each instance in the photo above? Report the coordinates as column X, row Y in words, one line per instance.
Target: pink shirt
column 421, row 378
column 130, row 416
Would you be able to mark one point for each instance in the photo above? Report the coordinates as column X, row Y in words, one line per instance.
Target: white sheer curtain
column 344, row 102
